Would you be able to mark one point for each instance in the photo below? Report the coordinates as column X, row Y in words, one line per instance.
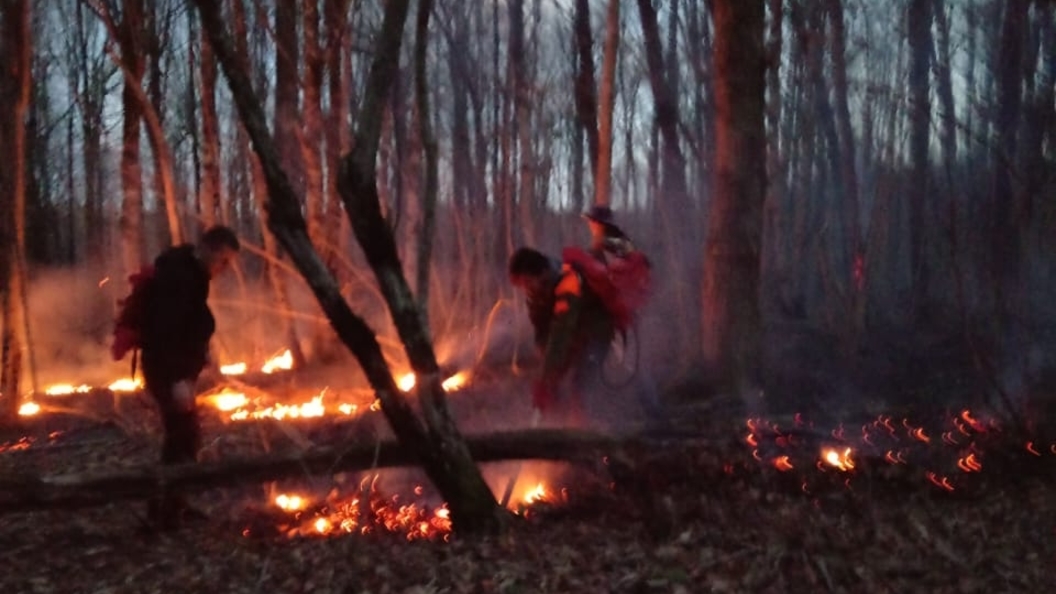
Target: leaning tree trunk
column 14, row 95
column 731, row 267
column 440, row 447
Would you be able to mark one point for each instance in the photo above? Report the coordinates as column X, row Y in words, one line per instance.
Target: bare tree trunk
column 15, row 81
column 209, row 194
column 287, row 121
column 585, row 87
column 852, row 265
column 132, row 58
column 522, row 127
column 154, row 116
column 338, row 138
column 1006, row 206
column 944, row 85
column 772, row 263
column 919, row 194
column 312, row 112
column 429, row 154
column 731, row 268
column 92, row 78
column 444, row 455
column 606, row 102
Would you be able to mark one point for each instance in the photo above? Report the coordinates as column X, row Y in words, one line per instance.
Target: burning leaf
column 1032, row 449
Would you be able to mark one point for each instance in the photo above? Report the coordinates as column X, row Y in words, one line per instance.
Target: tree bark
column 22, row 493
column 209, row 196
column 440, row 447
column 312, row 136
column 606, row 103
column 287, row 121
column 15, row 81
column 585, row 88
column 731, row 270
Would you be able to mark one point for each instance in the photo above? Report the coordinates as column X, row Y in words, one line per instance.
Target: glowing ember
column 281, row 362
column 969, row 463
column 782, row 463
column 290, row 503
column 126, row 385
column 28, row 409
column 233, row 369
column 66, row 389
column 841, row 460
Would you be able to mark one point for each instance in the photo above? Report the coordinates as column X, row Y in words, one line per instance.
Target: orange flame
column 126, row 385
column 280, row 362
column 290, row 503
column 66, row 389
column 239, row 368
column 28, row 409
column 840, row 460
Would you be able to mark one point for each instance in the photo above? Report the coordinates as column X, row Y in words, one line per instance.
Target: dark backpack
column 128, row 329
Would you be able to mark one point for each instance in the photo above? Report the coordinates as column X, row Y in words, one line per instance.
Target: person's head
column 217, row 248
column 600, row 221
column 530, row 270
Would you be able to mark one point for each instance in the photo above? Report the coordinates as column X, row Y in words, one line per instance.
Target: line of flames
column 236, row 403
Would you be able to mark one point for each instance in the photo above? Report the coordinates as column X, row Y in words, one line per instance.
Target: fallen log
column 20, row 493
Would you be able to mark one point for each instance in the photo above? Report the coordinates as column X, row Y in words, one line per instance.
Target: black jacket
column 178, row 324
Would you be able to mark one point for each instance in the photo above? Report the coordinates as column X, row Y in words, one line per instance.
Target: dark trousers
column 182, row 429
column 180, row 443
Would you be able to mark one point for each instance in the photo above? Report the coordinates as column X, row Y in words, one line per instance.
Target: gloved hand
column 542, row 395
column 183, row 395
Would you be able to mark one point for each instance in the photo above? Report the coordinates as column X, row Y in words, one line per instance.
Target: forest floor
column 720, row 503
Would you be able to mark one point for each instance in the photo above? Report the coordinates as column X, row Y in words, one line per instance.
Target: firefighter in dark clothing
column 573, row 329
column 177, row 328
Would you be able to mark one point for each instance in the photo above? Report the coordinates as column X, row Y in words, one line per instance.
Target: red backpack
column 624, row 285
column 128, row 328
